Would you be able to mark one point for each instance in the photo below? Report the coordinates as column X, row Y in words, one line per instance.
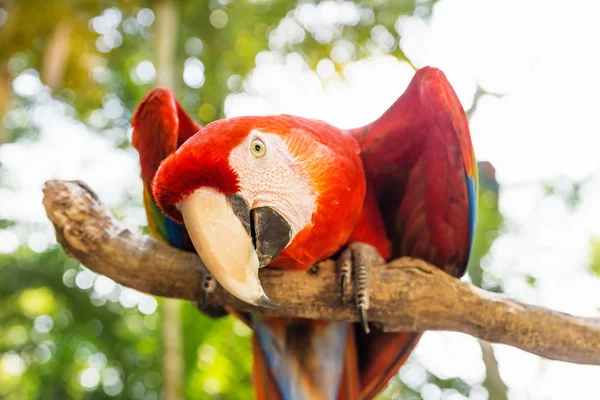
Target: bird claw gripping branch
column 355, row 263
column 208, row 286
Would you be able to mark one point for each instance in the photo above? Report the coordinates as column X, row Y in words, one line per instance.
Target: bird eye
column 258, row 148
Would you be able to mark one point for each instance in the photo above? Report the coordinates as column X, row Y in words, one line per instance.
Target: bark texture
column 406, row 294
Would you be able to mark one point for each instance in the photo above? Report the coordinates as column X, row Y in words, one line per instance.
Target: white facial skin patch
column 273, row 178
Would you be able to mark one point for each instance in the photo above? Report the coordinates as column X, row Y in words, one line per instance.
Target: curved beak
column 233, row 247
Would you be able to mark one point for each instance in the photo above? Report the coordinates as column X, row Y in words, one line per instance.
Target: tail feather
column 304, row 360
column 301, row 359
column 350, row 383
column 382, row 356
column 265, row 387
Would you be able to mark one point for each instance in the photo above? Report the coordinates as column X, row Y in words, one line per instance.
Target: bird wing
column 421, row 168
column 420, row 163
column 160, row 126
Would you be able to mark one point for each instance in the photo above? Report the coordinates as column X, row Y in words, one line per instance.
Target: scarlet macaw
column 287, row 192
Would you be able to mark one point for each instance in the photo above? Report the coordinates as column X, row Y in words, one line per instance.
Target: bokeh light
column 144, row 72
column 193, row 73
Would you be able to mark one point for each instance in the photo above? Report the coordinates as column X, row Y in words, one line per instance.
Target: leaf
column 594, row 263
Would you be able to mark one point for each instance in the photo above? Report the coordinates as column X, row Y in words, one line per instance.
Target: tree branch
column 406, row 295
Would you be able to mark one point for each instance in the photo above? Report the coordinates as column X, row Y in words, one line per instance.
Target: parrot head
column 246, row 188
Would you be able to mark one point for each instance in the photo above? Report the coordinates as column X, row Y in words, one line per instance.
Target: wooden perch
column 406, row 295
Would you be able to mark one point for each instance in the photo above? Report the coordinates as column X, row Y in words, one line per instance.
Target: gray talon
column 208, row 286
column 364, row 323
column 314, row 270
column 355, row 263
column 344, row 271
column 361, row 293
column 204, row 302
column 343, row 286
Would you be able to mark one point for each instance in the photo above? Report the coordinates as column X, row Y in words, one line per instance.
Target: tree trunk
column 494, row 384
column 172, row 360
column 56, row 55
column 4, row 101
column 5, row 90
column 165, row 34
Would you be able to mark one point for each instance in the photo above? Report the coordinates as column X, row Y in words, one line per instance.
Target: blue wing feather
column 472, row 193
column 175, row 233
column 162, row 227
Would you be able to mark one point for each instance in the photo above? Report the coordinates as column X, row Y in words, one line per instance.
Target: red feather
column 319, row 148
column 415, row 158
column 160, row 126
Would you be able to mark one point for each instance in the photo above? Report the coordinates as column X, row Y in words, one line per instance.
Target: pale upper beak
column 234, row 241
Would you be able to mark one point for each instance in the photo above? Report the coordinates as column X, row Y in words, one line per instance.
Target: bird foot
column 208, row 286
column 314, row 270
column 355, row 264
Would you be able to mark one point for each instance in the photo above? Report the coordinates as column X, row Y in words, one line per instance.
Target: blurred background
column 72, row 71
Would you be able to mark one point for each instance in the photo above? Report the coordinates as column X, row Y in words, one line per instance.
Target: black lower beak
column 270, row 232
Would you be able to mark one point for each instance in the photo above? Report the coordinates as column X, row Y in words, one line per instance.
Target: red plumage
column 398, row 184
column 203, row 161
column 160, row 127
column 416, row 157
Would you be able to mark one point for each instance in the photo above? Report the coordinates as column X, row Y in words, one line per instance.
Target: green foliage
column 595, row 255
column 488, row 226
column 5, row 223
column 567, row 191
column 217, row 356
column 61, row 338
column 56, row 338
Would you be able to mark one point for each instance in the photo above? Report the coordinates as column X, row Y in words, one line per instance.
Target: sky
column 539, row 56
